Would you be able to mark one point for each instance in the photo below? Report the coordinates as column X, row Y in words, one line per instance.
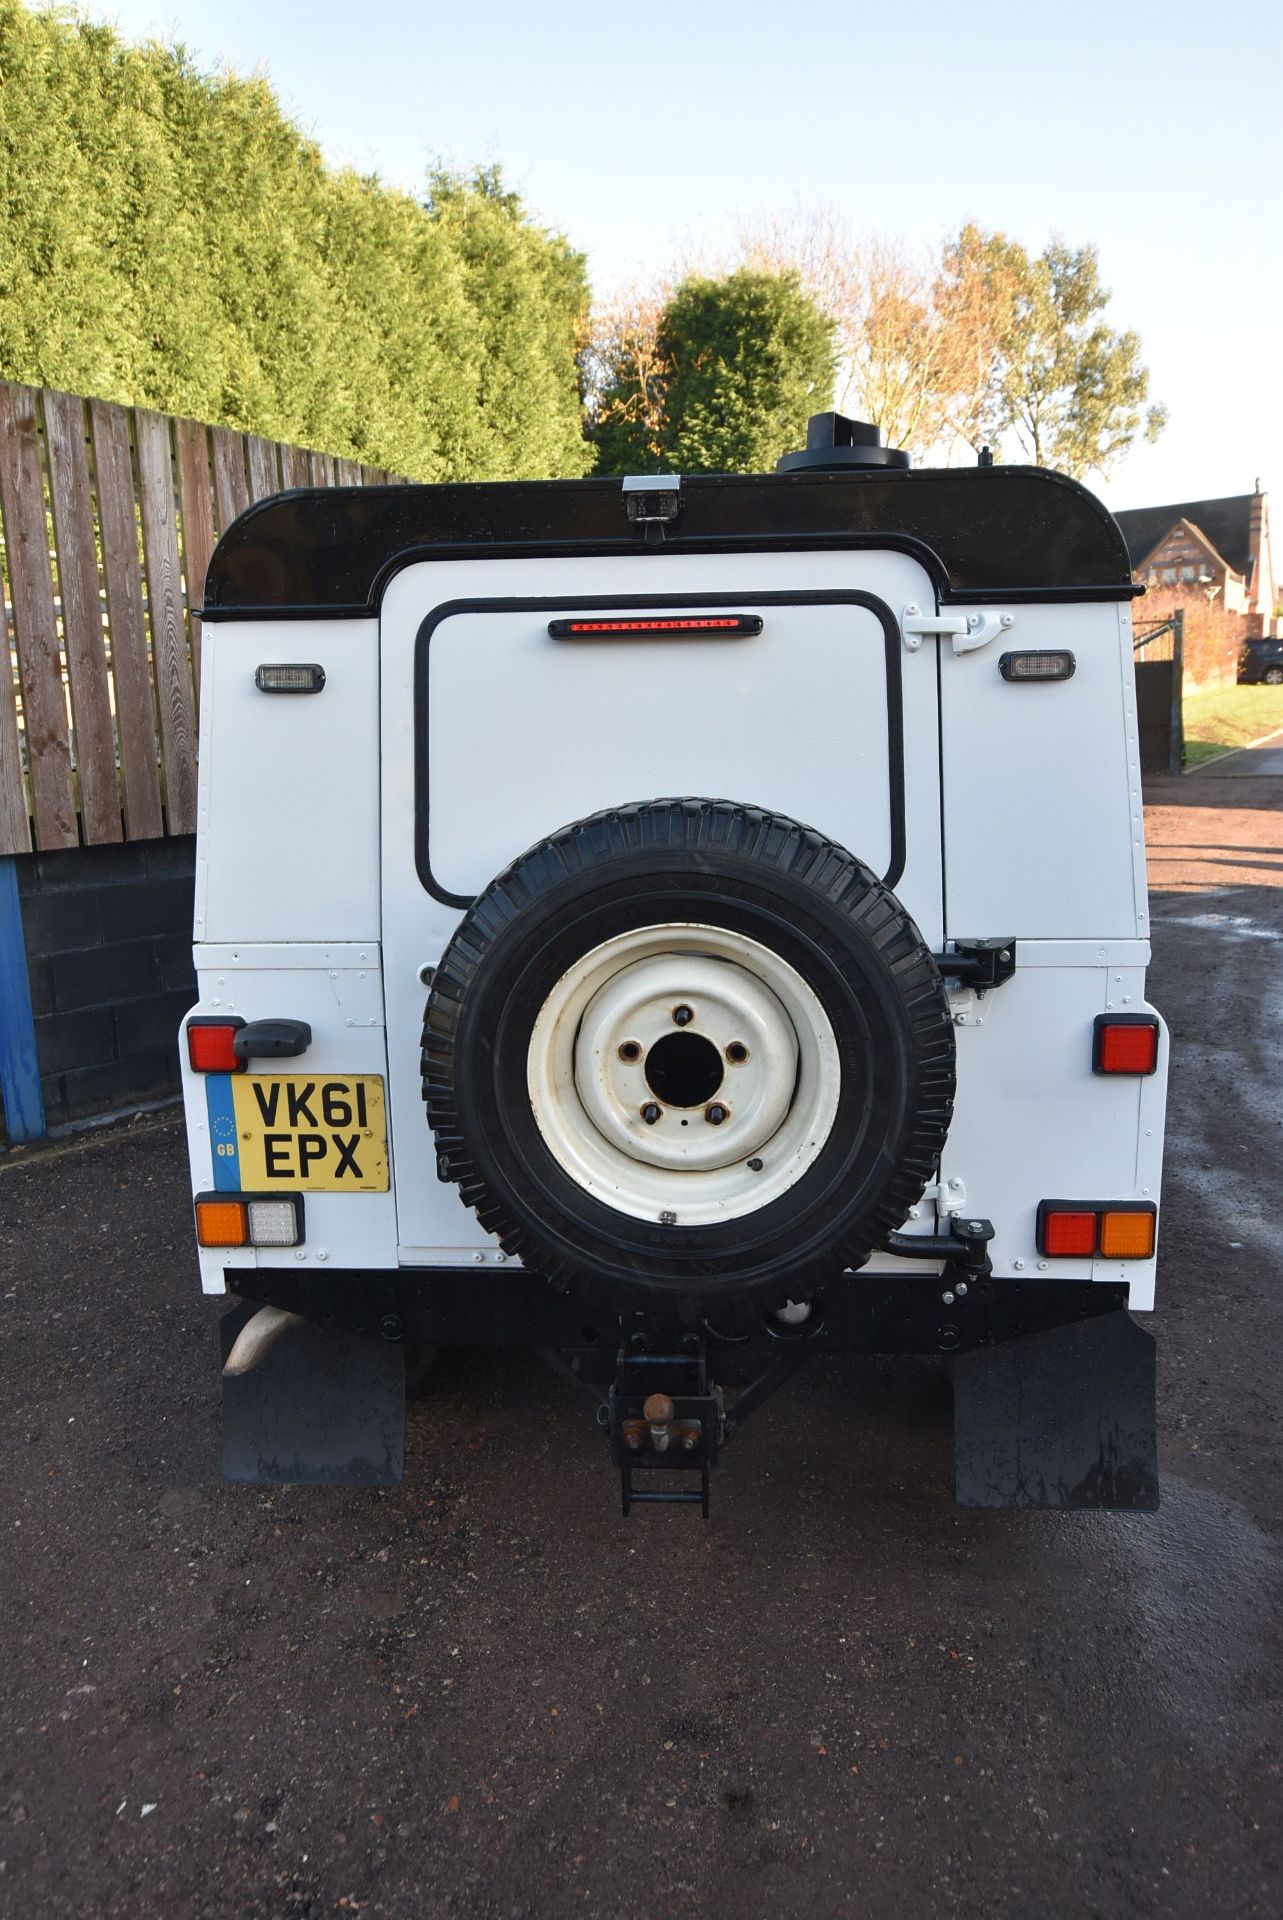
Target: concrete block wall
column 108, row 935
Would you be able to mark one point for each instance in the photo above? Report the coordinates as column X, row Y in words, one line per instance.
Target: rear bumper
column 864, row 1313
column 1053, row 1381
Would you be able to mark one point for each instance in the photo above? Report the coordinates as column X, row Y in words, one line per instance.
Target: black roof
column 1226, row 523
column 983, row 532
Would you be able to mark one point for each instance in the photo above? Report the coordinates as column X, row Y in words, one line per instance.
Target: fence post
column 24, row 1108
column 1177, row 759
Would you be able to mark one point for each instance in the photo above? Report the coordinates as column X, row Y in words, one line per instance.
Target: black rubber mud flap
column 319, row 1410
column 1064, row 1419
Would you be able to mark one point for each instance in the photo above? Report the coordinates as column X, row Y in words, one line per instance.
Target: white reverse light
column 274, row 1223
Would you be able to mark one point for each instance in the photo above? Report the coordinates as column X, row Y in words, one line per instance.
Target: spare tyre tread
column 780, row 845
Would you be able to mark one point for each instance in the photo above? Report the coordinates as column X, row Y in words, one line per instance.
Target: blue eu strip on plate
column 222, row 1133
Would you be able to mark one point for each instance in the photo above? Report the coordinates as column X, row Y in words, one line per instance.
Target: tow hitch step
column 664, row 1415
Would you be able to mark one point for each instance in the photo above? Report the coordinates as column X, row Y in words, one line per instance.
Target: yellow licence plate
column 298, row 1133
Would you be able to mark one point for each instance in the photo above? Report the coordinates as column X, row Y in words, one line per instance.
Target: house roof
column 1226, row 524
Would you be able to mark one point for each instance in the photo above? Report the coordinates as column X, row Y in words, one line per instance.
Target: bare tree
column 901, row 361
column 622, row 354
column 974, row 296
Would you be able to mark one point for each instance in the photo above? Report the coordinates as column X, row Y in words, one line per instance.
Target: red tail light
column 1065, row 1231
column 209, row 1044
column 1125, row 1043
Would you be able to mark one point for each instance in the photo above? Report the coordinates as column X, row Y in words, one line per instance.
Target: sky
column 649, row 131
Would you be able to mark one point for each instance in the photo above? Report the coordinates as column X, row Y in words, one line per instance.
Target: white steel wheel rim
column 746, row 1089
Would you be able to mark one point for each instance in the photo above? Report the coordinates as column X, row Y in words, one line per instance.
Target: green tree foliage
column 735, row 368
column 1070, row 390
column 169, row 239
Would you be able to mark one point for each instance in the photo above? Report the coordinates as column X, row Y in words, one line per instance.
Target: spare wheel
column 688, row 1057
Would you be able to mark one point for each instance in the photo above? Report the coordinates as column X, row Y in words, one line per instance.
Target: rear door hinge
column 949, row 1193
column 967, row 630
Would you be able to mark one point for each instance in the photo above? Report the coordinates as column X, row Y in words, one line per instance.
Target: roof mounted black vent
column 834, row 441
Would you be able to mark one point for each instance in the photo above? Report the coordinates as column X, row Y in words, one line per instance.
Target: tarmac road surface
column 484, row 1694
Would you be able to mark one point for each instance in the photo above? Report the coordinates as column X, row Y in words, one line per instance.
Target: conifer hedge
column 168, row 238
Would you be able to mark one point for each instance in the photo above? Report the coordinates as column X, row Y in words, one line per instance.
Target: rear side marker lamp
column 722, row 625
column 211, row 1042
column 1125, row 1043
column 290, row 676
column 249, row 1219
column 1083, row 1229
column 1046, row 664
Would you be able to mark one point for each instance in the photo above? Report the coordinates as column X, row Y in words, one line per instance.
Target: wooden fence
column 109, row 519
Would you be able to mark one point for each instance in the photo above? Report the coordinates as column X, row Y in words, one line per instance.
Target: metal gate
column 1157, row 647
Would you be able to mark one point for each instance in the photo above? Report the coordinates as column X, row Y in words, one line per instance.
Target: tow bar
column 1053, row 1382
column 665, row 1415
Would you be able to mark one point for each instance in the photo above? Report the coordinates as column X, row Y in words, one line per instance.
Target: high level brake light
column 654, row 623
column 1080, row 1229
column 210, row 1039
column 1125, row 1043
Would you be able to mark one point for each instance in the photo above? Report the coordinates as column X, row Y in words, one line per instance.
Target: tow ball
column 665, row 1417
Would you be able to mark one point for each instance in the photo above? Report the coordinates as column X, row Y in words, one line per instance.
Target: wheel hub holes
column 682, row 1066
column 594, row 1100
column 683, row 1069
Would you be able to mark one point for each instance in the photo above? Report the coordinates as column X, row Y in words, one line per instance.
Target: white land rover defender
column 683, row 925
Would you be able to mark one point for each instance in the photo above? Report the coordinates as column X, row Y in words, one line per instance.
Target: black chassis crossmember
column 1053, row 1380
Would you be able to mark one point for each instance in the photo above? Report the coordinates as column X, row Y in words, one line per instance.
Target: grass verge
column 1227, row 717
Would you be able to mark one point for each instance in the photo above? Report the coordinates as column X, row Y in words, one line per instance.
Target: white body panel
column 338, row 990
column 1043, row 827
column 311, row 904
column 289, row 797
column 1032, row 1121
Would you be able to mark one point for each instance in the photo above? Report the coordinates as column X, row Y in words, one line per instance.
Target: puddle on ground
column 1201, row 1584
